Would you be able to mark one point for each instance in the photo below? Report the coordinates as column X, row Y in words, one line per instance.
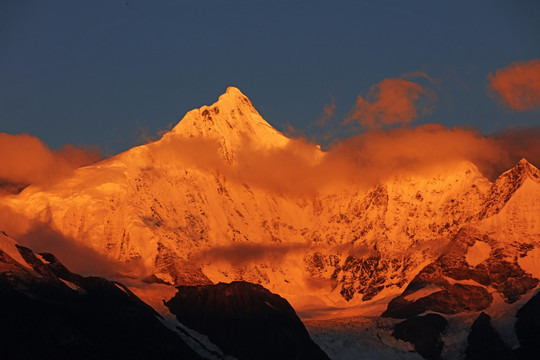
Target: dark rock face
column 424, row 332
column 47, row 312
column 454, row 299
column 167, row 261
column 7, row 187
column 369, row 272
column 245, row 320
column 484, row 342
column 528, row 329
column 507, row 278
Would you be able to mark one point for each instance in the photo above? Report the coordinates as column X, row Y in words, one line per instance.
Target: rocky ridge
column 170, row 204
column 48, row 312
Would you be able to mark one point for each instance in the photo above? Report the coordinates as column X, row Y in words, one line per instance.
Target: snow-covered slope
column 190, row 211
column 232, row 120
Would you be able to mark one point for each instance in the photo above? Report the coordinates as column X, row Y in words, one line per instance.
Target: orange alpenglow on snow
column 517, row 85
column 224, row 196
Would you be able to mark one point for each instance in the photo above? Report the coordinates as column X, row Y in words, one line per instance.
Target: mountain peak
column 507, row 184
column 523, row 170
column 233, row 97
column 231, row 120
column 233, row 91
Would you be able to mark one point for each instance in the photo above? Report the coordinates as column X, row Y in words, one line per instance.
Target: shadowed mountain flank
column 245, row 320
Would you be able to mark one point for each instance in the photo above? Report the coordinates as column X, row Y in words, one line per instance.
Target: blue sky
column 97, row 72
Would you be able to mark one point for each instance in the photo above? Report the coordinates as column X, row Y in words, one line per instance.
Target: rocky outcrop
column 484, row 342
column 462, row 286
column 48, row 312
column 504, row 187
column 424, row 332
column 528, row 329
column 245, row 320
column 207, row 184
column 454, row 299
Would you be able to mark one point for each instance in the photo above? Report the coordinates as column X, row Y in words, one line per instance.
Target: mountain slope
column 189, row 210
column 206, row 204
column 245, row 320
column 48, row 312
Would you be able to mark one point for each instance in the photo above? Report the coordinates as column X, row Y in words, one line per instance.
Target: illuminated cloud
column 41, row 236
column 300, row 168
column 328, row 112
column 24, row 159
column 390, row 102
column 377, row 155
column 518, row 85
column 517, row 144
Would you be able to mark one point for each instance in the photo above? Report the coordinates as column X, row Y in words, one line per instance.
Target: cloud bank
column 247, row 253
column 517, row 86
column 301, row 168
column 24, row 159
column 42, row 236
column 390, row 102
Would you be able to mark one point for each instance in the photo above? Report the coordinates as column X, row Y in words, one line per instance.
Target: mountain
column 245, row 320
column 232, row 120
column 48, row 312
column 484, row 342
column 206, row 204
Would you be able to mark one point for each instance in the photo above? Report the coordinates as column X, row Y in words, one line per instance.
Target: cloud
column 302, row 169
column 377, row 155
column 41, row 236
column 298, row 169
column 391, row 102
column 275, row 169
column 419, row 74
column 145, row 136
column 12, row 222
column 24, row 159
column 517, row 86
column 517, row 143
column 348, row 249
column 248, row 253
column 328, row 112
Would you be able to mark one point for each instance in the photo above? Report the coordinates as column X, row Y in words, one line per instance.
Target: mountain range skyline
column 285, row 180
column 251, row 164
column 394, row 229
column 382, row 149
column 91, row 75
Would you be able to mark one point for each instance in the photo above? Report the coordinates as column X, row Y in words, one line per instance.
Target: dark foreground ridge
column 48, row 312
column 245, row 320
column 424, row 332
column 484, row 342
column 528, row 329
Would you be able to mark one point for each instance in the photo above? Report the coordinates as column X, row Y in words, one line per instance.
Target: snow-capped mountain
column 188, row 208
column 206, row 204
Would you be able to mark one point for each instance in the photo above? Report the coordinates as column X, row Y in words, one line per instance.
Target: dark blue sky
column 96, row 72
